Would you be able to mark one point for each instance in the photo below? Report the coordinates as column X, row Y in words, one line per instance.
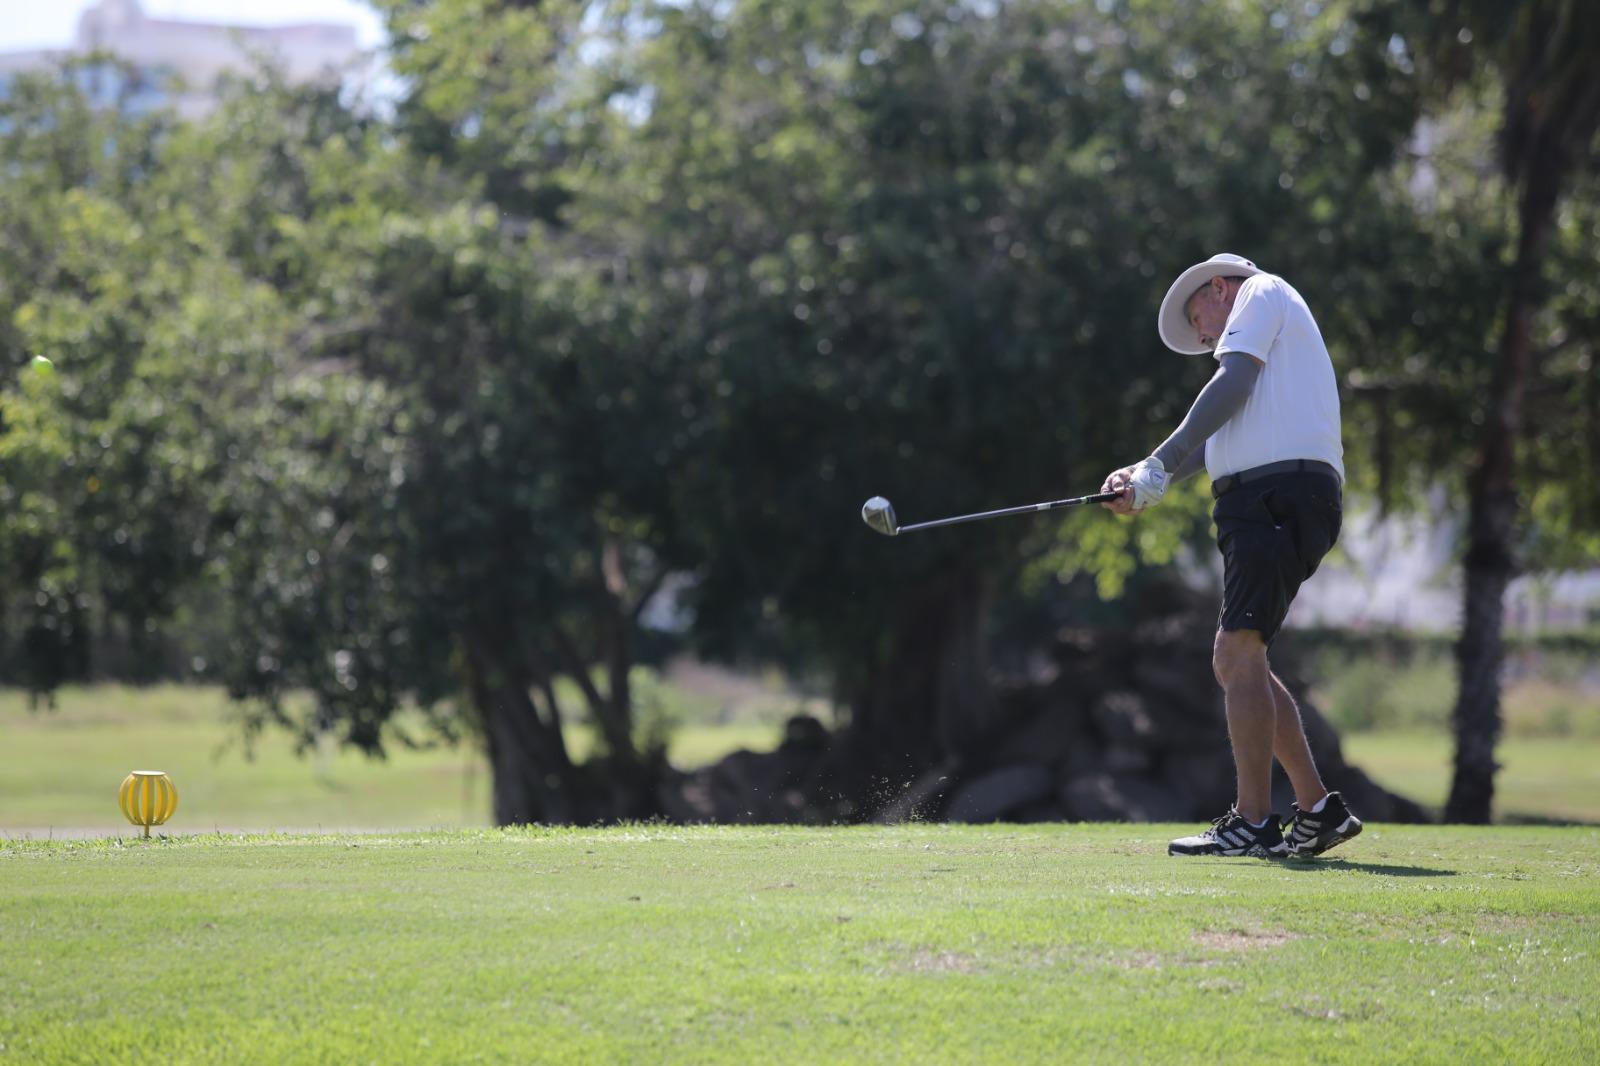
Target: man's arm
column 1219, row 401
column 1190, row 466
column 1183, row 454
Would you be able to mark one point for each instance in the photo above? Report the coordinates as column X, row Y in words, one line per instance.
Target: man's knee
column 1238, row 654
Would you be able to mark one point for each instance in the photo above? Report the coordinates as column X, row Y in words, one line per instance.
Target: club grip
column 1103, row 497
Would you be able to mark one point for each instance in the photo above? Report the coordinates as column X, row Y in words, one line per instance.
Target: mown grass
column 919, row 943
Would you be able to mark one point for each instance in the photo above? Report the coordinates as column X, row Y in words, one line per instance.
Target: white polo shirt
column 1293, row 410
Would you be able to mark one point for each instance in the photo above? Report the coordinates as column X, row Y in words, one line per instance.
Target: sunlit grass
column 913, row 944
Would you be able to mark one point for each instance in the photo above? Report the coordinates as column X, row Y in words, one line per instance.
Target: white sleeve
column 1256, row 319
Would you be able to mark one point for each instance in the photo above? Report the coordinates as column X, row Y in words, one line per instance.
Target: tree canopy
column 420, row 407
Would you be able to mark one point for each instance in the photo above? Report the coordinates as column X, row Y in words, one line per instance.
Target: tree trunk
column 613, row 713
column 533, row 778
column 929, row 697
column 1480, row 655
column 1490, row 560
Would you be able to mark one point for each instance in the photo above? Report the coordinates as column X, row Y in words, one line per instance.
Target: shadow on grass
column 1518, row 818
column 1386, row 869
column 1529, row 818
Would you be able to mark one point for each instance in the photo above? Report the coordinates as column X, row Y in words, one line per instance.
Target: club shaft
column 1099, row 497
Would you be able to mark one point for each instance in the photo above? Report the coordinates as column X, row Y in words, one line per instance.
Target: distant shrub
column 1413, row 687
column 1365, row 693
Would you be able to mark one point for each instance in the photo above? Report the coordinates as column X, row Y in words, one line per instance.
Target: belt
column 1229, row 482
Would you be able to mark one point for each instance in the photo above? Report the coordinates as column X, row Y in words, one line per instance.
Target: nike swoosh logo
column 1231, row 332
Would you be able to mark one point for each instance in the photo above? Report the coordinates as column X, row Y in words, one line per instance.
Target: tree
column 430, row 516
column 108, row 465
column 1542, row 52
column 916, row 250
column 311, row 382
column 429, row 408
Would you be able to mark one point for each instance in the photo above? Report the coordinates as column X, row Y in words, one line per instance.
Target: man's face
column 1207, row 310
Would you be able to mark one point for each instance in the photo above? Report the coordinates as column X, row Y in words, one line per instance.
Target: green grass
column 62, row 767
column 916, row 944
column 1546, row 694
column 1541, row 777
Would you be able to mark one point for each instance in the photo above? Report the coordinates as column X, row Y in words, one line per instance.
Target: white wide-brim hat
column 1176, row 333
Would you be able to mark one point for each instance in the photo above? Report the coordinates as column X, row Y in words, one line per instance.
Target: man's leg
column 1240, row 662
column 1294, row 753
column 1239, row 659
column 1312, row 831
column 1271, row 539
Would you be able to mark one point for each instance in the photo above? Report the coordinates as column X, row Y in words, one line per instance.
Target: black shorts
column 1272, row 532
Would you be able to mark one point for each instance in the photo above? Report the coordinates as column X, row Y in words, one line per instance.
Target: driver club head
column 879, row 514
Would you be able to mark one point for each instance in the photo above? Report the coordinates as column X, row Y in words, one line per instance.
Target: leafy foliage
column 423, row 408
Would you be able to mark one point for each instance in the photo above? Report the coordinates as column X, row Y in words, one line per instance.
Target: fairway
column 909, row 944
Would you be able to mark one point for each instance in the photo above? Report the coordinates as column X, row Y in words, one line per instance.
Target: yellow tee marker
column 148, row 798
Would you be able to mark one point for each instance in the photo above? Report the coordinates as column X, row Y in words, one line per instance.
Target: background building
column 177, row 62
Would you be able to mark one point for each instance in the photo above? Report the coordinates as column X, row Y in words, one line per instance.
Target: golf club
column 879, row 513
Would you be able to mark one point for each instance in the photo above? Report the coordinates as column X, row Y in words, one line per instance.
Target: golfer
column 1266, row 430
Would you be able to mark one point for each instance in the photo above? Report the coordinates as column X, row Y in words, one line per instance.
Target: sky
column 31, row 24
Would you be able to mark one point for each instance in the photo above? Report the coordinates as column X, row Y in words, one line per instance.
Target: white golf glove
column 1149, row 483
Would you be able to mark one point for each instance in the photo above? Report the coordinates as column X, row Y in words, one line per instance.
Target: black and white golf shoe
column 1312, row 834
column 1232, row 835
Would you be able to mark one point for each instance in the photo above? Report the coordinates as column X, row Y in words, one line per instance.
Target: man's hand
column 1117, row 481
column 1141, row 485
column 1149, row 483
